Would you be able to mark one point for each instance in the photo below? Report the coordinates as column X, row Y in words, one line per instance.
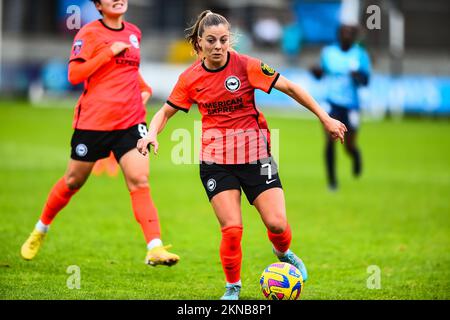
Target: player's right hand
column 335, row 129
column 143, row 143
column 118, row 46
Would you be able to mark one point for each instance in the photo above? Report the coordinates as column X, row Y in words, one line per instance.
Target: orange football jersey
column 234, row 131
column 112, row 96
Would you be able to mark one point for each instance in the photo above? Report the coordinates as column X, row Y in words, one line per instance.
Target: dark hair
column 206, row 19
column 99, row 2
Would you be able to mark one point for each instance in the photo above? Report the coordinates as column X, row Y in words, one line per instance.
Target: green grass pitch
column 397, row 216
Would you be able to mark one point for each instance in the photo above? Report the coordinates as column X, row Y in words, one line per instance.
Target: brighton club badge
column 77, row 47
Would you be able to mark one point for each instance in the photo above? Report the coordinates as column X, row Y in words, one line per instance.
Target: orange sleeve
column 260, row 75
column 143, row 85
column 79, row 71
column 83, row 45
column 179, row 98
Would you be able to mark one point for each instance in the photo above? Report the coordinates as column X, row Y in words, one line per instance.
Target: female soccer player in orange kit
column 109, row 116
column 222, row 83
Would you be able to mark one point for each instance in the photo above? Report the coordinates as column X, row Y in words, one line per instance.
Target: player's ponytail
column 206, row 19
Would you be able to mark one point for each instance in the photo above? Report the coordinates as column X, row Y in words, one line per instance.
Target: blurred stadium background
column 410, row 52
column 396, row 216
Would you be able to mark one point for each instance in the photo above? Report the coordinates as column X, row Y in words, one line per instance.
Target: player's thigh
column 126, row 140
column 255, row 178
column 135, row 168
column 227, row 207
column 217, row 178
column 272, row 208
column 77, row 173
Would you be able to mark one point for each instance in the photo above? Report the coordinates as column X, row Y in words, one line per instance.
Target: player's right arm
column 157, row 124
column 81, row 69
column 178, row 100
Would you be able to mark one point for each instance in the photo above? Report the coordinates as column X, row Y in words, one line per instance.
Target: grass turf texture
column 396, row 216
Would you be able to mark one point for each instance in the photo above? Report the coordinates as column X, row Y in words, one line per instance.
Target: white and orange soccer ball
column 281, row 281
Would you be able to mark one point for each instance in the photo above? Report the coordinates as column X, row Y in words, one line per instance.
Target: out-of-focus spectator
column 292, row 42
column 346, row 67
column 54, row 77
column 267, row 32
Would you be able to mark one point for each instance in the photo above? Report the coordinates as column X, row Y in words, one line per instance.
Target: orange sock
column 231, row 253
column 146, row 213
column 281, row 241
column 58, row 198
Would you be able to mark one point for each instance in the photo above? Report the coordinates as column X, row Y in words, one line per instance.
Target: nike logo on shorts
column 270, row 181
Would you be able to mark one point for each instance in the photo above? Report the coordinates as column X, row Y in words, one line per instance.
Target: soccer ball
column 281, row 281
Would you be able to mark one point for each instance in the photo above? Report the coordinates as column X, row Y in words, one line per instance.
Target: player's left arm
column 335, row 128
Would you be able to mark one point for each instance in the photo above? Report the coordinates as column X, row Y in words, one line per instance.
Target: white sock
column 154, row 243
column 279, row 253
column 239, row 283
column 40, row 226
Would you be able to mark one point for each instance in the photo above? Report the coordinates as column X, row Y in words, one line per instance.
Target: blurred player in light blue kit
column 345, row 66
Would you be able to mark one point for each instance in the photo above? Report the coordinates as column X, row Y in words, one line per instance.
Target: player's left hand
column 335, row 129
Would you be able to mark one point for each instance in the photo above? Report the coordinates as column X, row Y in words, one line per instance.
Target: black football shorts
column 252, row 178
column 90, row 145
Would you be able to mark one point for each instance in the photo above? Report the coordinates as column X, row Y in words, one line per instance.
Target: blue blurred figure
column 54, row 77
column 345, row 66
column 291, row 42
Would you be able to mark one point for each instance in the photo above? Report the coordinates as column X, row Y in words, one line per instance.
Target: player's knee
column 137, row 182
column 276, row 228
column 277, row 225
column 74, row 182
column 277, row 222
